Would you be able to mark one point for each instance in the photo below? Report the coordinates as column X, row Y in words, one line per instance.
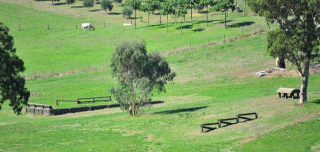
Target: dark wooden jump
column 242, row 116
column 288, row 93
column 227, row 121
column 48, row 110
column 86, row 100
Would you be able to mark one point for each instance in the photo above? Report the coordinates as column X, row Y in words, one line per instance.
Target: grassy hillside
column 213, row 81
column 63, row 45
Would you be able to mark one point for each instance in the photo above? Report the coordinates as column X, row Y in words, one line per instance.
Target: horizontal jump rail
column 95, row 98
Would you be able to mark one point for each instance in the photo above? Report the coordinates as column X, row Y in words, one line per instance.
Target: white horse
column 88, row 26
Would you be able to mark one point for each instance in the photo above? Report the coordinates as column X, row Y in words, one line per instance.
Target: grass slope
column 213, row 82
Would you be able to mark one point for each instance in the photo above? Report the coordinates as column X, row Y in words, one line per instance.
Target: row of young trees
column 179, row 8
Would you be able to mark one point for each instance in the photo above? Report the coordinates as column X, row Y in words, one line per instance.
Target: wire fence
column 86, row 67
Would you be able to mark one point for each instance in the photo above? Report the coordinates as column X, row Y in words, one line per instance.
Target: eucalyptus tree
column 138, row 73
column 191, row 4
column 127, row 11
column 207, row 4
column 224, row 6
column 148, row 6
column 70, row 1
column 182, row 10
column 167, row 9
column 118, row 1
column 296, row 38
column 135, row 4
column 12, row 85
column 106, row 5
column 88, row 3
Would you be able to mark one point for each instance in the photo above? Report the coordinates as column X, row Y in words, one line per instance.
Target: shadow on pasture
column 181, row 110
column 205, row 21
column 95, row 10
column 59, row 4
column 184, row 27
column 316, row 101
column 198, row 30
column 240, row 24
column 114, row 13
column 76, row 6
column 203, row 12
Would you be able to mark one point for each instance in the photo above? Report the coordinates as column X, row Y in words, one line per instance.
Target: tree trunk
column 148, row 18
column 167, row 21
column 280, row 63
column 304, row 83
column 135, row 19
column 191, row 16
column 244, row 7
column 225, row 19
column 207, row 15
column 175, row 18
column 181, row 25
column 160, row 19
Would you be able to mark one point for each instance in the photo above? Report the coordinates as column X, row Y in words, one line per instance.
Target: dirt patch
column 247, row 139
column 149, row 138
column 132, row 133
column 90, row 113
column 6, row 123
column 208, row 116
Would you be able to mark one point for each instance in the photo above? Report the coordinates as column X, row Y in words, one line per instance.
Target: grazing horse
column 88, row 26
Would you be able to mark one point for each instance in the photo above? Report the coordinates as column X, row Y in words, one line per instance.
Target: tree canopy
column 12, row 85
column 224, row 6
column 297, row 36
column 138, row 74
column 106, row 5
column 88, row 3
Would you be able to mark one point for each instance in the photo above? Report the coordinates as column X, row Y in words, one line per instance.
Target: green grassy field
column 213, row 82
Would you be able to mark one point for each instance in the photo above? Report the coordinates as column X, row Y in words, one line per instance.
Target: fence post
column 57, row 102
column 224, row 38
column 242, row 32
column 48, row 26
column 76, row 25
column 104, row 24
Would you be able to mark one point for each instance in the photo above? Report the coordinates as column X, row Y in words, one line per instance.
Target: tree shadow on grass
column 316, row 101
column 198, row 30
column 114, row 13
column 204, row 21
column 203, row 12
column 180, row 110
column 95, row 10
column 59, row 4
column 240, row 24
column 76, row 6
column 184, row 27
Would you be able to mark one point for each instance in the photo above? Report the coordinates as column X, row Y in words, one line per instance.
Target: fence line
column 73, row 70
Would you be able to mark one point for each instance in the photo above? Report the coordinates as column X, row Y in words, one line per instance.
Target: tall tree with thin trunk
column 207, row 4
column 148, row 6
column 167, row 9
column 182, row 11
column 138, row 73
column 224, row 6
column 296, row 39
column 135, row 4
column 12, row 85
column 190, row 5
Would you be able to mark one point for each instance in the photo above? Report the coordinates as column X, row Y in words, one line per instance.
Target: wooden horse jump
column 227, row 121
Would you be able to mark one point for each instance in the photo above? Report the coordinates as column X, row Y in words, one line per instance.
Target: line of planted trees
column 179, row 8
